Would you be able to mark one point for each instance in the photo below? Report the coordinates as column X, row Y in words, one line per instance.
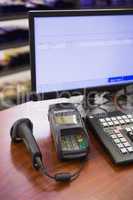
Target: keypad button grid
column 122, row 143
column 118, row 138
column 73, row 142
column 118, row 120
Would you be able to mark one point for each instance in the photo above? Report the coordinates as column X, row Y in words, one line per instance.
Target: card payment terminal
column 68, row 130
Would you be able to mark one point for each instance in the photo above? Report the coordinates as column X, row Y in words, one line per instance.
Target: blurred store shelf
column 15, row 23
column 14, row 60
column 12, row 87
column 13, row 33
column 18, row 9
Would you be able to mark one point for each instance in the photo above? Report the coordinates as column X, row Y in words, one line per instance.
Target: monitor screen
column 76, row 51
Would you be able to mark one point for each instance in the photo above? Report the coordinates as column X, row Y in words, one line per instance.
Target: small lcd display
column 66, row 119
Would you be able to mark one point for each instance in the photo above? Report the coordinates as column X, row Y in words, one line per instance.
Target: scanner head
column 15, row 133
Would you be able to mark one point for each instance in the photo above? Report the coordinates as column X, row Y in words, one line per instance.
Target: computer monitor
column 75, row 50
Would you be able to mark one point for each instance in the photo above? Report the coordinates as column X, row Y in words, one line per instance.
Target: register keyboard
column 115, row 131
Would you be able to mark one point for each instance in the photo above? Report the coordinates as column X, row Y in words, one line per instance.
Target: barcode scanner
column 22, row 131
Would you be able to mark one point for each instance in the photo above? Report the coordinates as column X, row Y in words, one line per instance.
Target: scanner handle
column 22, row 130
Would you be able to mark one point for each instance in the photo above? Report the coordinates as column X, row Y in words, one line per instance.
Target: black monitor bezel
column 58, row 13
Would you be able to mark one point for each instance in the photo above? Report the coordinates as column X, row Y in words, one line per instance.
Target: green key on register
column 82, row 142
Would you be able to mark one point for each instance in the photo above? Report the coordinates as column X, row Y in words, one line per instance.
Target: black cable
column 102, row 104
column 95, row 106
column 76, row 174
column 105, row 110
column 111, row 97
column 98, row 106
column 118, row 98
column 62, row 176
column 43, row 168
